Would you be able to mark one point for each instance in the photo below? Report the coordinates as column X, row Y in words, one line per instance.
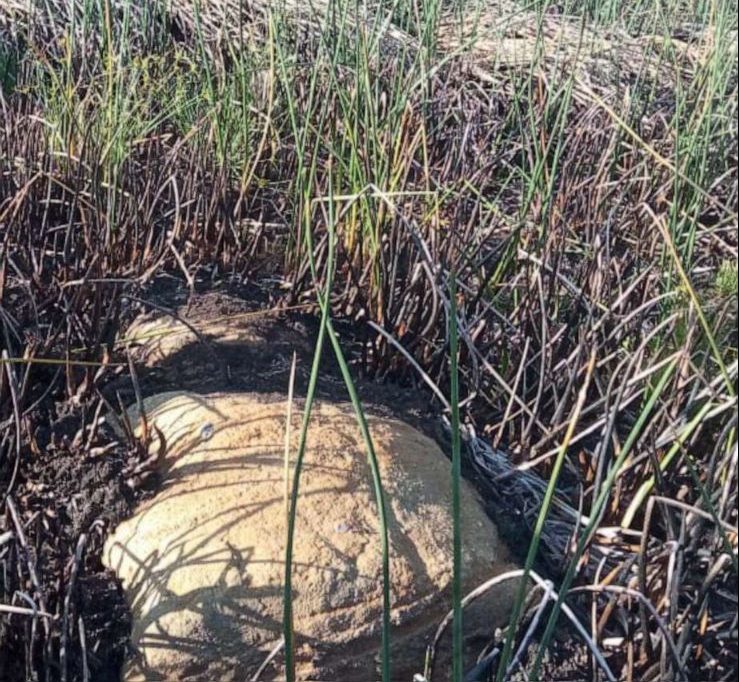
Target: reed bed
column 559, row 178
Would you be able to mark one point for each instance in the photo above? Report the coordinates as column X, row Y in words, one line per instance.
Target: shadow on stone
column 203, row 561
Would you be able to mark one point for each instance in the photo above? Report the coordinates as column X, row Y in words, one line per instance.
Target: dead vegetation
column 588, row 216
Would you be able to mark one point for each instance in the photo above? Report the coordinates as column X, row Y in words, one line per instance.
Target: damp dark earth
column 379, row 340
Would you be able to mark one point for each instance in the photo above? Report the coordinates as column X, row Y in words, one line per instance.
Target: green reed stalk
column 324, row 302
column 457, row 625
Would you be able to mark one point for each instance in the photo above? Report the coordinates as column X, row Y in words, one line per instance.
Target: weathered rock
column 216, row 343
column 214, row 322
column 159, row 337
column 202, row 562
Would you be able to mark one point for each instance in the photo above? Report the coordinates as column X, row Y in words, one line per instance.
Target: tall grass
column 327, row 328
column 586, row 205
column 457, row 624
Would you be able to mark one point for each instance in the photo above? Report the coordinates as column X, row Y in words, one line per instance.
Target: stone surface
column 160, row 338
column 215, row 343
column 202, row 561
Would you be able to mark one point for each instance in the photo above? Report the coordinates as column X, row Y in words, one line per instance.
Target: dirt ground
column 64, row 496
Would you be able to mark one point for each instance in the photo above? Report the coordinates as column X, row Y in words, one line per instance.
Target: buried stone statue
column 202, row 562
